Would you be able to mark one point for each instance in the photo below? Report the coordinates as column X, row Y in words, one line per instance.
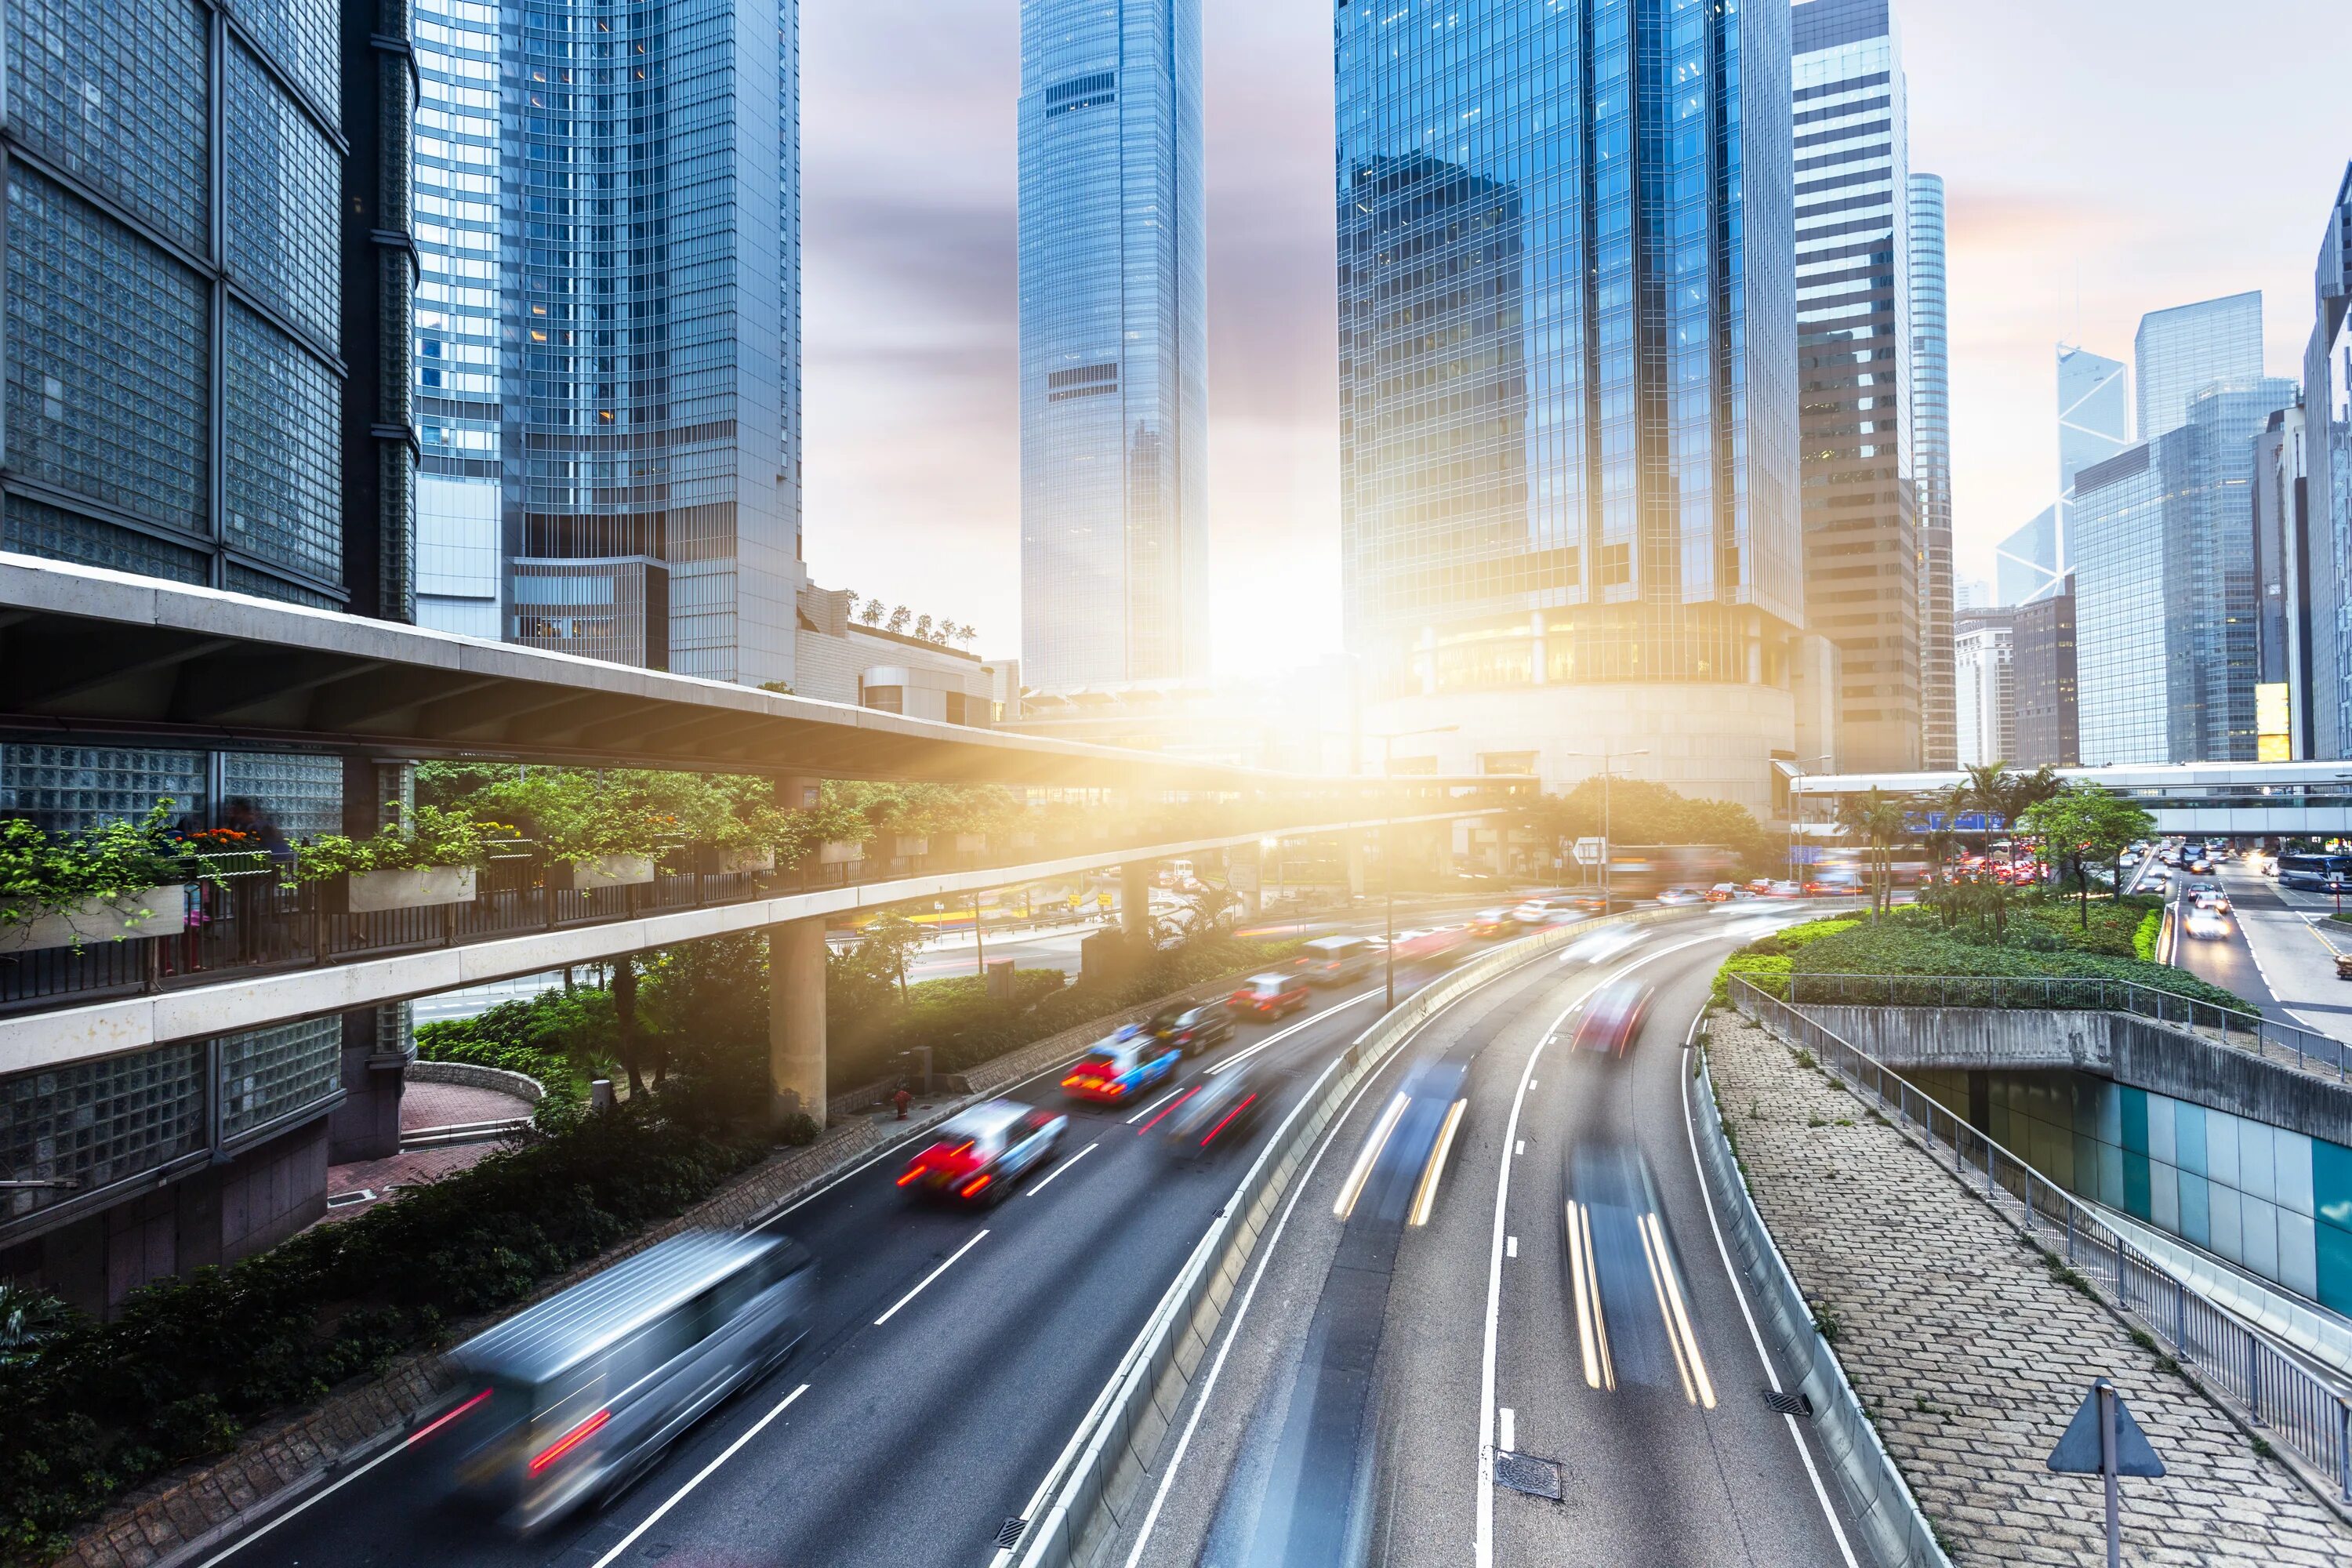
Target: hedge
column 562, row 1039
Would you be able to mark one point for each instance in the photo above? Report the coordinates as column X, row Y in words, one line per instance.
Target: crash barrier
column 1094, row 1485
column 1891, row 1529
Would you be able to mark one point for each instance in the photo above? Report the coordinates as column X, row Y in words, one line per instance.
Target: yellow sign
column 2271, row 709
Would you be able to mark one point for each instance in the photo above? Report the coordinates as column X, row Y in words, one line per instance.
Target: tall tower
column 1931, row 469
column 1114, row 344
column 2186, row 349
column 1864, row 545
column 608, row 327
column 1566, row 383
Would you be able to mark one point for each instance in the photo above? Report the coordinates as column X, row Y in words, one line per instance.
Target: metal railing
column 2234, row 1027
column 2308, row 1412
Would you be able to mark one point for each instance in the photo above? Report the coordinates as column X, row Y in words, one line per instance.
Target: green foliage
column 1641, row 812
column 562, row 1039
column 2147, row 934
column 1910, row 942
column 100, row 1407
column 429, row 835
column 41, row 872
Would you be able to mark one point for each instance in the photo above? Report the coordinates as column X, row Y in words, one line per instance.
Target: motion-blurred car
column 1121, row 1067
column 1221, row 1111
column 1268, row 997
column 1679, row 896
column 1784, row 888
column 1488, row 925
column 980, row 1153
column 1555, row 909
column 2209, row 898
column 1334, row 960
column 1613, row 1017
column 2205, row 923
column 1193, row 1026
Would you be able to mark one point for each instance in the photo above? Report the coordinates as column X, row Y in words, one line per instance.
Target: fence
column 2249, row 1031
column 2308, row 1413
column 1886, row 1515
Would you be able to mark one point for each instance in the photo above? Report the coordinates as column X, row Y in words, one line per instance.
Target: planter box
column 840, row 852
column 725, row 862
column 910, row 846
column 374, row 892
column 971, row 843
column 151, row 911
column 607, row 871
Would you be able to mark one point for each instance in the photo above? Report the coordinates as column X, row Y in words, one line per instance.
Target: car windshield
column 1171, row 1019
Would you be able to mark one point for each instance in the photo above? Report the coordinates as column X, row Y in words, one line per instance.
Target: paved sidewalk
column 1971, row 1354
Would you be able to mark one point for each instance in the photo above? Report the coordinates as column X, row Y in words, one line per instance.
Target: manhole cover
column 1788, row 1404
column 1526, row 1473
column 1009, row 1536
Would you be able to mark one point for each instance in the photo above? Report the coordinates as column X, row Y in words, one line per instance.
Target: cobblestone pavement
column 1972, row 1356
column 424, row 1105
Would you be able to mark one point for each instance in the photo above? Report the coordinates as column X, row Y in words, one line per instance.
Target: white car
column 1679, row 896
column 2205, row 923
column 2212, row 899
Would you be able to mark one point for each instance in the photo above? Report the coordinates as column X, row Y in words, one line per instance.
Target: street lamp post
column 1387, row 847
column 1608, row 761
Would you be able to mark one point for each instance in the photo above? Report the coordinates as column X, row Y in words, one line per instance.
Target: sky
column 2094, row 172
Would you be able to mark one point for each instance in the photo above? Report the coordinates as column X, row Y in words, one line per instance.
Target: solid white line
column 1240, row 1057
column 700, row 1476
column 1055, row 1175
column 228, row 1551
column 1738, row 1294
column 1509, row 1443
column 1155, row 1105
column 934, row 1274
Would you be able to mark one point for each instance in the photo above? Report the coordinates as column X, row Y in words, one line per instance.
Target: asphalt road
column 1343, row 1423
column 2280, row 952
column 914, row 1437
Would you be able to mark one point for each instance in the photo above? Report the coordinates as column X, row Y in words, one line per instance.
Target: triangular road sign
column 2077, row 1452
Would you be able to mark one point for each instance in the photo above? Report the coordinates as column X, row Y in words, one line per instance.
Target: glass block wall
column 99, row 1122
column 270, row 1073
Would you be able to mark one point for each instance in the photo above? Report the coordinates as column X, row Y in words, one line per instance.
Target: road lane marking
column 1510, row 1247
column 699, row 1477
column 318, row 1496
column 1353, row 1187
column 1053, row 1175
column 1739, row 1294
column 1509, row 1442
column 1520, row 1147
column 934, row 1274
column 1156, row 1104
column 1240, row 1057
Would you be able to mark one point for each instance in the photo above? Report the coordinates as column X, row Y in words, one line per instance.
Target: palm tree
column 1879, row 819
column 1941, row 809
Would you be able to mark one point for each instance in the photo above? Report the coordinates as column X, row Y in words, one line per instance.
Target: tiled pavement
column 424, row 1105
column 1972, row 1355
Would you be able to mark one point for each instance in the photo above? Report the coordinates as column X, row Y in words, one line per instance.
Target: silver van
column 567, row 1401
column 1334, row 960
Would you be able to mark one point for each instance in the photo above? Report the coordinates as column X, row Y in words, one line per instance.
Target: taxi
column 979, row 1154
column 1121, row 1067
column 1268, row 997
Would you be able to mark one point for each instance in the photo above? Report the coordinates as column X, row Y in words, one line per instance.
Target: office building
column 1931, row 467
column 207, row 374
column 1863, row 539
column 2030, row 564
column 1569, row 498
column 2327, row 468
column 2043, row 681
column 1972, row 593
column 2182, row 351
column 2282, row 632
column 608, row 332
column 2164, row 597
column 2094, row 425
column 1114, row 343
column 1985, row 698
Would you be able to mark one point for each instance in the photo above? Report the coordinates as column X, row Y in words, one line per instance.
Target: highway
column 1344, row 1418
column 2278, row 954
column 952, row 1354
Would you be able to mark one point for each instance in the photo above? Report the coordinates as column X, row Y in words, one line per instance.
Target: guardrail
column 2309, row 1414
column 1887, row 1516
column 2249, row 1031
column 1104, row 1464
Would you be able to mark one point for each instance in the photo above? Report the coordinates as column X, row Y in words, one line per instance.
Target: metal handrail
column 2248, row 1031
column 2309, row 1414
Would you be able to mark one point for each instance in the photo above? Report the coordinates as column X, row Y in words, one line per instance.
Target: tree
column 923, row 627
column 899, row 618
column 1878, row 819
column 872, row 614
column 2086, row 827
column 1941, row 810
column 887, row 943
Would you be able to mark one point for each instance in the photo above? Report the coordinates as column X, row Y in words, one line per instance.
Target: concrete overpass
column 2230, row 800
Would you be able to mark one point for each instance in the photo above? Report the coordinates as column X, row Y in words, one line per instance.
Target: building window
column 885, row 699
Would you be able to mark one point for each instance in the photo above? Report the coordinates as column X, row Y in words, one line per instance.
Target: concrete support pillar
column 796, row 1018
column 1135, row 900
column 1355, row 868
column 1244, row 874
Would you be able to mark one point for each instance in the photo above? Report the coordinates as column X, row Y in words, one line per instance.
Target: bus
column 2323, row 873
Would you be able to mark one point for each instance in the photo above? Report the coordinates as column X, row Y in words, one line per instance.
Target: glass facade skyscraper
column 608, row 337
column 2182, row 351
column 1931, row 471
column 1114, row 344
column 1864, row 545
column 2327, row 470
column 1567, row 377
column 2094, row 425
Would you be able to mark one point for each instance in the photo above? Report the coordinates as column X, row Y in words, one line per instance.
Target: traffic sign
column 1589, row 851
column 2104, row 1440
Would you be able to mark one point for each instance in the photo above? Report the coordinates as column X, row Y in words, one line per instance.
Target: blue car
column 1120, row 1067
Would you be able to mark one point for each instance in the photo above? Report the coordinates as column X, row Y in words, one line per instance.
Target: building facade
column 1985, row 692
column 608, row 330
column 1931, row 467
column 2327, row 465
column 2042, row 677
column 1864, row 542
column 2182, row 351
column 2094, row 425
column 2283, row 618
column 1114, row 343
column 1569, row 495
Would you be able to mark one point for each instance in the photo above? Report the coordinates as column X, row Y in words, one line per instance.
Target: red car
column 1268, row 995
column 1613, row 1017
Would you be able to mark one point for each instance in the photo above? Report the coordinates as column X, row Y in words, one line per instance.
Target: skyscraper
column 1863, row 547
column 2182, row 351
column 1931, row 467
column 1114, row 344
column 2328, row 464
column 1985, row 695
column 2282, row 619
column 2043, row 673
column 2093, row 426
column 608, row 330
column 1568, row 510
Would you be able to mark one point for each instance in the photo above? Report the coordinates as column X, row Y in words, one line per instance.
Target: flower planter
column 151, row 911
column 607, row 871
column 420, row 888
column 745, row 858
column 840, row 852
column 910, row 846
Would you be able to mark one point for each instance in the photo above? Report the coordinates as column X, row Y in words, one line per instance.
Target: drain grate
column 1009, row 1536
column 1789, row 1405
column 1526, row 1473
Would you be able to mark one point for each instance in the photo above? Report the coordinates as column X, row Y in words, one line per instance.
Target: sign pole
column 2107, row 1467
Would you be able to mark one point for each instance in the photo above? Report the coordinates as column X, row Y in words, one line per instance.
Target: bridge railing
column 2305, row 1411
column 2234, row 1026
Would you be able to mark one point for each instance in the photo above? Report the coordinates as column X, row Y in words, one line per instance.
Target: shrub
column 562, row 1039
column 41, row 873
column 2145, row 939
column 430, row 837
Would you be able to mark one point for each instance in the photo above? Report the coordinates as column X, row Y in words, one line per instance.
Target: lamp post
column 1608, row 761
column 1388, row 846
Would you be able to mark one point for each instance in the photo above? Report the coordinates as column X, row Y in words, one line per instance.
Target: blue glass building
column 1568, row 380
column 1114, row 344
column 2182, row 351
column 1931, row 471
column 608, row 369
column 2328, row 467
